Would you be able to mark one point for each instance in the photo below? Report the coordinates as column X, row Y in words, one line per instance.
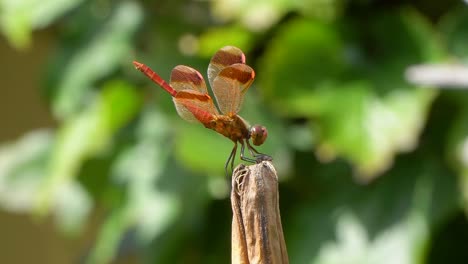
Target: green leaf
column 454, row 25
column 23, row 170
column 257, row 15
column 109, row 236
column 372, row 223
column 457, row 148
column 201, row 149
column 322, row 10
column 86, row 135
column 262, row 15
column 403, row 242
column 213, row 39
column 18, row 18
column 305, row 54
column 72, row 206
column 140, row 167
column 372, row 129
column 360, row 105
column 109, row 48
column 157, row 195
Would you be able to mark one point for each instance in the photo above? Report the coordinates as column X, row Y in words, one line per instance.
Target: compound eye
column 258, row 134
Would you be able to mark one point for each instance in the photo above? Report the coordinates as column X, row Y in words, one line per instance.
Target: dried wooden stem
column 257, row 234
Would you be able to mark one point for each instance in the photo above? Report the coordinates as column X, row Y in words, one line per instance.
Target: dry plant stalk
column 257, row 234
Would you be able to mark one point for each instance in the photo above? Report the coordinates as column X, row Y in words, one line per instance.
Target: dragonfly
column 229, row 79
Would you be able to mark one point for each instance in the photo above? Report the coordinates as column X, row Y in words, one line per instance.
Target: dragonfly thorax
column 230, row 126
column 236, row 129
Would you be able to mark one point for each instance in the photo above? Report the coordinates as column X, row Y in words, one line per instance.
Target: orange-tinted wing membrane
column 186, row 78
column 230, row 86
column 192, row 106
column 224, row 57
column 192, row 100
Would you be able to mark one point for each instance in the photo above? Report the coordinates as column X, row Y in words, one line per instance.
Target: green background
column 96, row 166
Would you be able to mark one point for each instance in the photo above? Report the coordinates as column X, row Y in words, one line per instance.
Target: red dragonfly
column 229, row 78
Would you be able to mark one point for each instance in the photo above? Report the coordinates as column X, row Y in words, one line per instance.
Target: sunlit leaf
column 110, row 235
column 22, row 168
column 369, row 130
column 359, row 103
column 109, row 47
column 304, row 55
column 18, row 18
column 326, row 10
column 261, row 15
column 141, row 166
column 87, row 134
column 401, row 243
column 257, row 16
column 212, row 40
column 150, row 208
column 363, row 224
column 72, row 207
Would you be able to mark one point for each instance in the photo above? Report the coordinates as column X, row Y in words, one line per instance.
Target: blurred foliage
column 373, row 169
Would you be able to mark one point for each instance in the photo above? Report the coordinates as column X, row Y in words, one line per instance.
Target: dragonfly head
column 258, row 134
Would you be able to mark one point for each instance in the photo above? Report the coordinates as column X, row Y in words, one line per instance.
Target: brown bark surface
column 257, row 234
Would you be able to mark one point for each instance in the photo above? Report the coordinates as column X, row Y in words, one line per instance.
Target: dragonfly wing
column 224, row 57
column 195, row 106
column 192, row 100
column 187, row 78
column 230, row 86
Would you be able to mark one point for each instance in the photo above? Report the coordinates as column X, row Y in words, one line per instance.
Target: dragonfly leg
column 257, row 155
column 231, row 159
column 242, row 155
